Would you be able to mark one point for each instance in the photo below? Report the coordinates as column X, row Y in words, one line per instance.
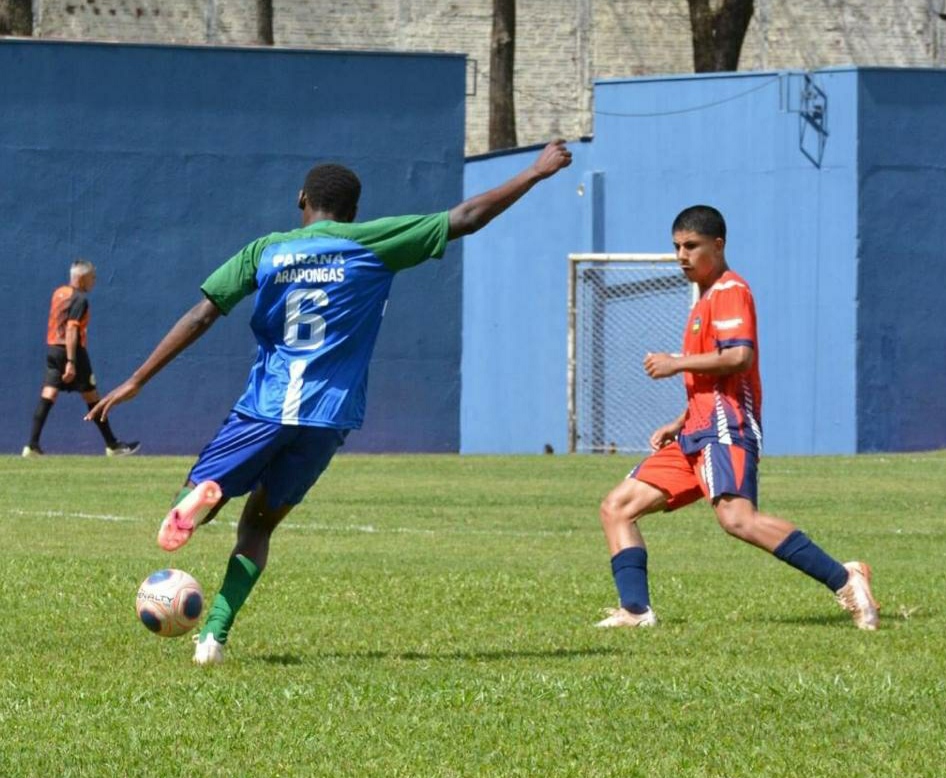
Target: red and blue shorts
column 714, row 470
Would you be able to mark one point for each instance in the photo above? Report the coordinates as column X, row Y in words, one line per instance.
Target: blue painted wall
column 158, row 163
column 901, row 344
column 733, row 141
column 515, row 289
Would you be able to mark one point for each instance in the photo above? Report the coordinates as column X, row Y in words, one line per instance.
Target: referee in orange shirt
column 68, row 368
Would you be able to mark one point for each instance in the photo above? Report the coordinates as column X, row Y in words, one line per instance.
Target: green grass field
column 432, row 616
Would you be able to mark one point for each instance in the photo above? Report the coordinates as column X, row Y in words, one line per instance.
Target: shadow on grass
column 821, row 620
column 426, row 656
column 844, row 619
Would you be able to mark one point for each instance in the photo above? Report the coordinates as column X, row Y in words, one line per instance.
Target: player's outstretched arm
column 474, row 214
column 188, row 328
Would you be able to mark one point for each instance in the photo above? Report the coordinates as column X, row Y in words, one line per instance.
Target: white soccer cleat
column 855, row 596
column 207, row 651
column 122, row 449
column 185, row 517
column 620, row 617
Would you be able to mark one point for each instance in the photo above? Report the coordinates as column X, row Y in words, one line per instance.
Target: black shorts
column 56, row 365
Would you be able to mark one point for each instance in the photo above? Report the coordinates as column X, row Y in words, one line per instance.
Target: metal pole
column 571, row 372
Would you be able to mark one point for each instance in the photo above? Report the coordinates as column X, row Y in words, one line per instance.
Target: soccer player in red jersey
column 68, row 368
column 712, row 449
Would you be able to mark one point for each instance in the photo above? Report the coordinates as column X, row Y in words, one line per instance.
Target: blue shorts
column 713, row 471
column 285, row 461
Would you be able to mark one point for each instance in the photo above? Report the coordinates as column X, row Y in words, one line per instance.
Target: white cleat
column 207, row 651
column 855, row 596
column 122, row 449
column 620, row 617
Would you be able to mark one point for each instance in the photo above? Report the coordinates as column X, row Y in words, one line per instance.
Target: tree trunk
column 718, row 35
column 502, row 107
column 16, row 17
column 264, row 22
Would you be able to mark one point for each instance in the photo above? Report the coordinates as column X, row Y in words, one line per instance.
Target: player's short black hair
column 701, row 219
column 332, row 188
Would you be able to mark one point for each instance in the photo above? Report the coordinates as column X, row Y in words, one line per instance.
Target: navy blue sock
column 798, row 551
column 629, row 567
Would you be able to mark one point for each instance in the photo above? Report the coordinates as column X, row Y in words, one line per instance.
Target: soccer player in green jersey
column 320, row 296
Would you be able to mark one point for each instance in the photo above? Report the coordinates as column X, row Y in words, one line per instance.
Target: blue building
column 832, row 184
column 157, row 163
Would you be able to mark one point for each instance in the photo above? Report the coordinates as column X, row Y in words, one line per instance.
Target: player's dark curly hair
column 701, row 219
column 332, row 188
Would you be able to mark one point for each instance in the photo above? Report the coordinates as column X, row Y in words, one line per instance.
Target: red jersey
column 68, row 306
column 728, row 408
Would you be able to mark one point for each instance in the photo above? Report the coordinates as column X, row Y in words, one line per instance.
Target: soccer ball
column 169, row 603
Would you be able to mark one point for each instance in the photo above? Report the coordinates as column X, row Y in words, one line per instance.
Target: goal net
column 620, row 307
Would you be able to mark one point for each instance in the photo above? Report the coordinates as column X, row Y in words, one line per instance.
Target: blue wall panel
column 733, row 141
column 158, row 163
column 902, row 293
column 515, row 282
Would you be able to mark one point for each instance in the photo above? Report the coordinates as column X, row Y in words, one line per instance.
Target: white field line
column 367, row 529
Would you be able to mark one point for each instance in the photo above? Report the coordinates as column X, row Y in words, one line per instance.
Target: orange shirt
column 68, row 306
column 727, row 409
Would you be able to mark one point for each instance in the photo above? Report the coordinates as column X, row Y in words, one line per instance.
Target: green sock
column 242, row 575
column 186, row 490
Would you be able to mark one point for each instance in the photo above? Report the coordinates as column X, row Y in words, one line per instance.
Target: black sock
column 105, row 429
column 39, row 419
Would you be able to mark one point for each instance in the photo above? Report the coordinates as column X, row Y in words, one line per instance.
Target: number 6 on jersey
column 296, row 319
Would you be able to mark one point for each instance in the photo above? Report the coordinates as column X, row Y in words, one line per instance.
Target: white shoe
column 620, row 617
column 207, row 651
column 122, row 449
column 855, row 596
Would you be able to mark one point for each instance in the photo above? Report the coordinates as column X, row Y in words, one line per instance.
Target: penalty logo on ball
column 169, row 603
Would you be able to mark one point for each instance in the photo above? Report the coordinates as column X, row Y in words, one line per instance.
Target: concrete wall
column 562, row 45
column 852, row 353
column 158, row 163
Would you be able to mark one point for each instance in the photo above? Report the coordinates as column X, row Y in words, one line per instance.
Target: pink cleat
column 188, row 515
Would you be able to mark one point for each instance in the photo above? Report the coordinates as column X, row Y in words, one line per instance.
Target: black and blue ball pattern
column 169, row 602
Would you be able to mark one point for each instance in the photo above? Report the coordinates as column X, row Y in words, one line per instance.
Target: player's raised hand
column 118, row 395
column 553, row 158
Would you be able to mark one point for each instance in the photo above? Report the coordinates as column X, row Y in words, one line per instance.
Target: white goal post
column 620, row 306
